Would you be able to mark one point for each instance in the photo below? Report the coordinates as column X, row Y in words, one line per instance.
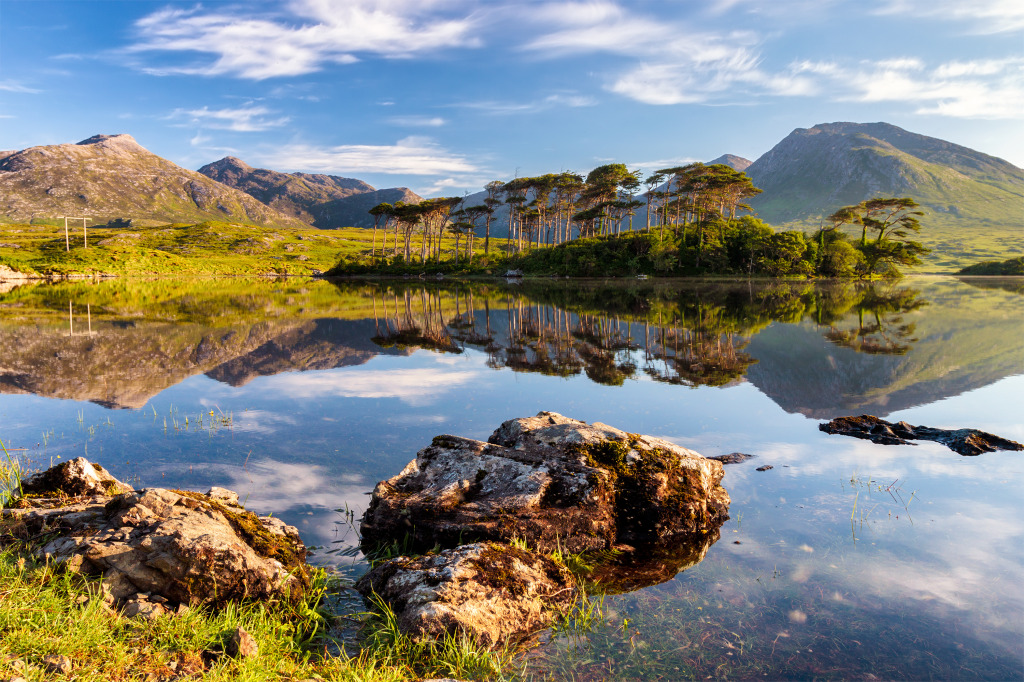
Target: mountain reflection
column 821, row 349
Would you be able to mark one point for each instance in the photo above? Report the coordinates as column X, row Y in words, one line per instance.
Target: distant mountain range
column 111, row 176
column 325, row 201
column 804, row 177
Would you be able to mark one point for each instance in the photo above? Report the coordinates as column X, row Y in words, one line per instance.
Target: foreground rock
column 968, row 442
column 492, row 592
column 156, row 546
column 553, row 481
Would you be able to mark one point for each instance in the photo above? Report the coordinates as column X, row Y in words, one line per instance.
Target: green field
column 210, row 248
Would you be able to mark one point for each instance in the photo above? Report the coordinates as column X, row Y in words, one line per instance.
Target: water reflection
column 803, row 344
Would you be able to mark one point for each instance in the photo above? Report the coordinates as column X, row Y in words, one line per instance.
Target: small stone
column 158, row 599
column 766, row 467
column 241, row 644
column 223, row 495
column 144, row 610
column 57, row 663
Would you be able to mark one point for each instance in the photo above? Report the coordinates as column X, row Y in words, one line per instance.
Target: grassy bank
column 45, row 613
column 211, row 248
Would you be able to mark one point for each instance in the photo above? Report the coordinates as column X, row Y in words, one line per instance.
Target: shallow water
column 845, row 559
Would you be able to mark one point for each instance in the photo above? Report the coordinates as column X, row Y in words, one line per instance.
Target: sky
column 443, row 96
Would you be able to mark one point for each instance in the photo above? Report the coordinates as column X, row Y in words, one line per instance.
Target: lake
column 844, row 559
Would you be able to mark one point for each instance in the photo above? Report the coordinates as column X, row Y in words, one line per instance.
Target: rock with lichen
column 494, row 593
column 552, row 481
column 166, row 545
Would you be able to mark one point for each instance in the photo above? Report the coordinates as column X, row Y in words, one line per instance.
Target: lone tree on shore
column 892, row 221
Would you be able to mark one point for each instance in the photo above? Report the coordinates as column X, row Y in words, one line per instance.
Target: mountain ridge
column 108, row 177
column 813, row 171
column 324, row 201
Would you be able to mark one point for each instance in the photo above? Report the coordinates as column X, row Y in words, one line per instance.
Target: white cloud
column 313, row 34
column 982, row 16
column 677, row 64
column 983, row 89
column 246, row 119
column 412, row 155
column 14, row 86
column 418, row 121
column 565, row 99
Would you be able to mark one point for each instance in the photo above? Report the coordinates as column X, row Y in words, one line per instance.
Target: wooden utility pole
column 67, row 239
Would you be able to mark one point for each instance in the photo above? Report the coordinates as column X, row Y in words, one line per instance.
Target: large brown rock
column 553, row 481
column 185, row 547
column 492, row 592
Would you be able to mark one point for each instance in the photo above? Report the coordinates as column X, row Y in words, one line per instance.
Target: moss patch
column 252, row 531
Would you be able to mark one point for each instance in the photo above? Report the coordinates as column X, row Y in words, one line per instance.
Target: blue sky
column 444, row 95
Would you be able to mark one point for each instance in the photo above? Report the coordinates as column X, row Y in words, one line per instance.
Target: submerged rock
column 553, row 481
column 168, row 545
column 732, row 458
column 492, row 592
column 967, row 442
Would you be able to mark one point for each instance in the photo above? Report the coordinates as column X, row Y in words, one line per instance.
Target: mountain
column 814, row 171
column 325, row 201
column 111, row 176
column 353, row 211
column 732, row 161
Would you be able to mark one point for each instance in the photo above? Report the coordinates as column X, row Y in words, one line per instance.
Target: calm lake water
column 846, row 559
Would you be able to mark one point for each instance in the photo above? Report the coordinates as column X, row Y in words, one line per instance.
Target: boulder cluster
column 156, row 550
column 548, row 483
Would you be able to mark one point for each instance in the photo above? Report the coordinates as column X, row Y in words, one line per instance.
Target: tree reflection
column 692, row 336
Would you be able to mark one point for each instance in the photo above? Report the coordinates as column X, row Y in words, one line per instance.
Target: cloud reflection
column 412, row 386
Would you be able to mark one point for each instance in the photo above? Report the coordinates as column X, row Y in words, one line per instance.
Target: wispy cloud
column 570, row 100
column 315, row 33
column 979, row 16
column 673, row 63
column 14, row 86
column 417, row 121
column 982, row 89
column 412, row 155
column 244, row 119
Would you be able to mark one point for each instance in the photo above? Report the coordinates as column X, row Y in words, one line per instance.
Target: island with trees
column 689, row 220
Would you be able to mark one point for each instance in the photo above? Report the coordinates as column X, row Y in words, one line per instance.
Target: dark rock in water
column 169, row 545
column 766, row 467
column 493, row 592
column 626, row 568
column 552, row 481
column 967, row 442
column 732, row 458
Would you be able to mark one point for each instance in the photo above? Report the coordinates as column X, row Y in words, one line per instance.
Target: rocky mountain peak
column 732, row 161
column 119, row 139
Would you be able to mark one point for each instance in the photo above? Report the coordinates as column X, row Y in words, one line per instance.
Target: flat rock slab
column 170, row 546
column 493, row 592
column 967, row 442
column 732, row 458
column 555, row 482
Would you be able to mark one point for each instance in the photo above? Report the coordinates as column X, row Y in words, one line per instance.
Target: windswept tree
column 892, row 220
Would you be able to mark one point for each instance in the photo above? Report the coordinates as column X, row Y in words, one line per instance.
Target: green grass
column 210, row 248
column 45, row 611
column 1013, row 267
